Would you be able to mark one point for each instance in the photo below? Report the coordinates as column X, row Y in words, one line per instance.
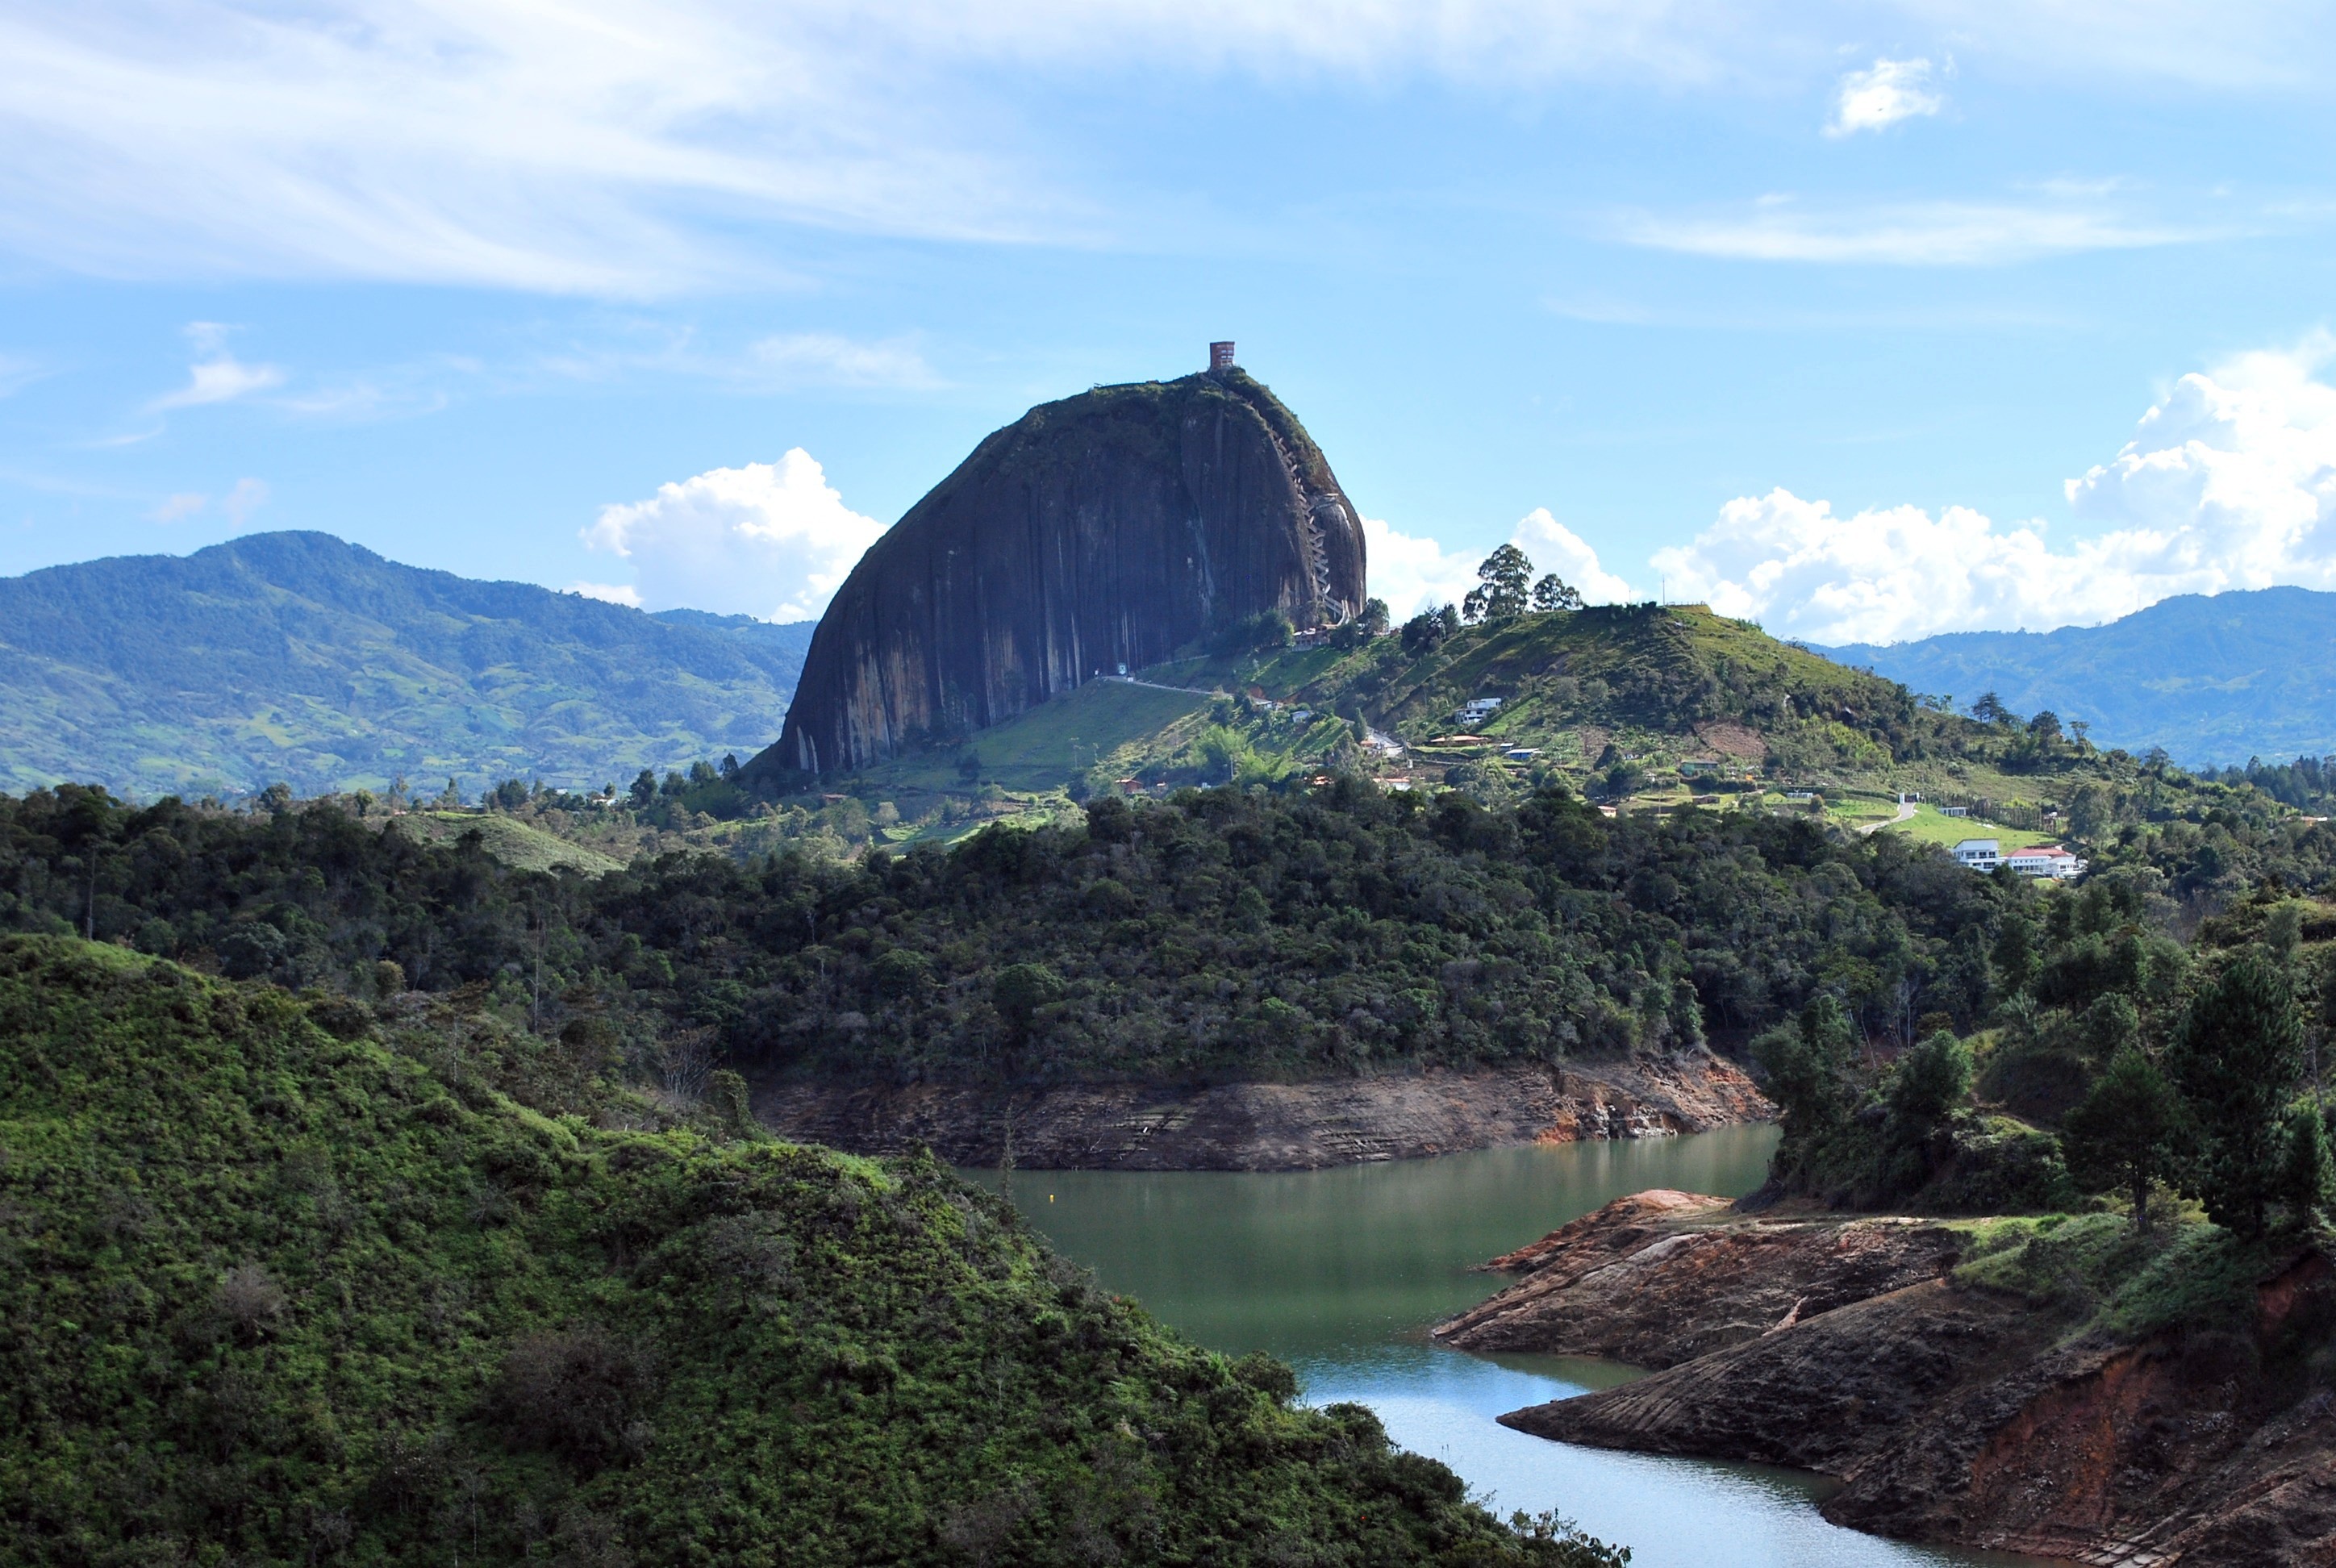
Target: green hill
column 296, row 658
column 294, row 1282
column 1638, row 707
column 2214, row 680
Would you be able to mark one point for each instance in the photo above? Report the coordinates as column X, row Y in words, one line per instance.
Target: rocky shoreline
column 1952, row 1412
column 1271, row 1127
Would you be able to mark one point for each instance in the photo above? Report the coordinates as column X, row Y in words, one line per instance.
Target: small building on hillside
column 1476, row 709
column 1979, row 854
column 2050, row 862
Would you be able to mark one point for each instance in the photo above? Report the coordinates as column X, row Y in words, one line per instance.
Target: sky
column 1864, row 322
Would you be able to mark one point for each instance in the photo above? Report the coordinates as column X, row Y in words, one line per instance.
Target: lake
column 1340, row 1273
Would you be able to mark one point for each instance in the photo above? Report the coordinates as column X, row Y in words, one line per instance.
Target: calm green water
column 1340, row 1273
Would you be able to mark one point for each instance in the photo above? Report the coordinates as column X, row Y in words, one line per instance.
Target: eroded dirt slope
column 1953, row 1413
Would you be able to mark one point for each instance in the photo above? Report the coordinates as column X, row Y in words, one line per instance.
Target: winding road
column 1905, row 813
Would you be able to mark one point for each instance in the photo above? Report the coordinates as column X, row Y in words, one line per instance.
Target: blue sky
column 1815, row 312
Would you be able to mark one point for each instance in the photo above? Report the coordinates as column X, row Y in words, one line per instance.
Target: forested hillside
column 297, row 658
column 2212, row 680
column 296, row 1280
column 1223, row 934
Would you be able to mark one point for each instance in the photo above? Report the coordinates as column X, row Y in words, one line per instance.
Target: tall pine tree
column 2237, row 1061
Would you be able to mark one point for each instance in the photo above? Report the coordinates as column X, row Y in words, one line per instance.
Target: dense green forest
column 1239, row 934
column 1220, row 933
column 300, row 1280
column 2174, row 1080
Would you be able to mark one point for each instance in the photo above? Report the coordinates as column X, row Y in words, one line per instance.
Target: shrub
column 578, row 1395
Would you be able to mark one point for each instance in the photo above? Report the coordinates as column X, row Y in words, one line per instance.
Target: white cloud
column 222, row 379
column 219, row 376
column 626, row 146
column 1554, row 547
column 1413, row 572
column 2229, row 483
column 248, row 497
column 1892, row 91
column 768, row 540
column 1904, row 234
column 622, row 593
column 185, row 504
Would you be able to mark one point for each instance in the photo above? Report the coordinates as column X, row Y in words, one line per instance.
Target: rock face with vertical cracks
column 1112, row 528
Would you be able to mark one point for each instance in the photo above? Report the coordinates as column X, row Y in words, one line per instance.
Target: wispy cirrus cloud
column 827, row 359
column 247, row 496
column 631, row 147
column 1906, row 234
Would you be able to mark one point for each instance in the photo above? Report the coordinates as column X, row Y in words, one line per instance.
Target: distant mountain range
column 2214, row 680
column 299, row 657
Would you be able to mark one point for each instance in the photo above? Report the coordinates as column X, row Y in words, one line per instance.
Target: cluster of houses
column 2048, row 862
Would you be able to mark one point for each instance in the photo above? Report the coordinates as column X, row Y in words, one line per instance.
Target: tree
column 2236, row 1060
column 1988, row 709
column 1020, row 991
column 1503, row 581
column 1925, row 1092
column 2125, row 1132
column 1803, row 1063
column 1450, row 617
column 1375, row 616
column 1931, row 1082
column 643, row 791
column 1424, row 633
column 2045, row 726
column 1552, row 592
column 2307, row 1175
column 2015, row 953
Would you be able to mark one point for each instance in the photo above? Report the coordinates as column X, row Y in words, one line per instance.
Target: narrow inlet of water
column 1342, row 1271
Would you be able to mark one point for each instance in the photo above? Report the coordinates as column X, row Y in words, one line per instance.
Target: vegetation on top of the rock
column 289, row 1282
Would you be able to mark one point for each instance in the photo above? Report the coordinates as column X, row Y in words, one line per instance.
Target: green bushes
column 277, row 1296
column 1170, row 926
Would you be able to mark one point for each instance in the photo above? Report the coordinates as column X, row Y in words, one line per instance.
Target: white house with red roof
column 2046, row 860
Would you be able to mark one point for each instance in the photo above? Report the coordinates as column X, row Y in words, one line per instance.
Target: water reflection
column 1340, row 1271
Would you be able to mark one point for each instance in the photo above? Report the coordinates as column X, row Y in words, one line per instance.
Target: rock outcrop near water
column 1951, row 1410
column 1128, row 1126
column 1105, row 530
